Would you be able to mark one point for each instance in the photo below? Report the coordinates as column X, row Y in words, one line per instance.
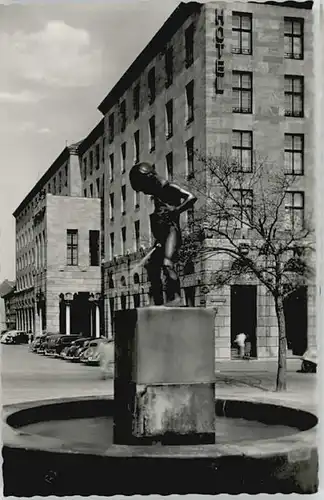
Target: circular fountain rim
column 302, row 441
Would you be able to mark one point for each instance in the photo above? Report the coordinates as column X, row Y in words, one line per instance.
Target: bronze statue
column 170, row 201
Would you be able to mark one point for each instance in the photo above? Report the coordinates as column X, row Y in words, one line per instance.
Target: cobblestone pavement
column 27, row 376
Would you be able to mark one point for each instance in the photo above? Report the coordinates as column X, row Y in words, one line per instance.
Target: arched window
column 123, row 281
column 111, row 283
column 136, row 279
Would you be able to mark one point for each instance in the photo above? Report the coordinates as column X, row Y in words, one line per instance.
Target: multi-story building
column 58, row 253
column 7, row 306
column 232, row 73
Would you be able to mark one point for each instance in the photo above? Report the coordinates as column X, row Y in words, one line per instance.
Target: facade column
column 68, row 297
column 67, row 318
column 40, row 320
column 97, row 320
column 25, row 320
column 18, row 319
column 35, row 319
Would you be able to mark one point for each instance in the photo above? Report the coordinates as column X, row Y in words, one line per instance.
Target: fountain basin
column 65, row 448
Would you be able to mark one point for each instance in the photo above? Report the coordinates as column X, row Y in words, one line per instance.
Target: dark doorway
column 80, row 314
column 243, row 314
column 296, row 320
column 190, row 295
column 112, row 315
column 62, row 319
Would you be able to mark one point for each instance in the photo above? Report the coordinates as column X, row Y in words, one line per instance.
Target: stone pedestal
column 164, row 376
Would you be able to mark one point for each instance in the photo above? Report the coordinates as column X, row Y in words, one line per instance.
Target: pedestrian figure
column 247, row 348
column 240, row 341
column 170, row 201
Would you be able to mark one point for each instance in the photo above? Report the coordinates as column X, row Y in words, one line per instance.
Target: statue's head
column 143, row 177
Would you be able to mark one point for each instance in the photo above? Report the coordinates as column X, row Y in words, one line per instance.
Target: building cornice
column 171, row 26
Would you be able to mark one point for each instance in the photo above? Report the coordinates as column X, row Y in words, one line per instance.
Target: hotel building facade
column 232, row 73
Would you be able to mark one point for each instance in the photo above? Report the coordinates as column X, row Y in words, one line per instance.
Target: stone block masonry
column 164, row 376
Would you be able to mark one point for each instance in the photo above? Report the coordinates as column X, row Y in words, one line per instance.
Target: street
column 28, row 376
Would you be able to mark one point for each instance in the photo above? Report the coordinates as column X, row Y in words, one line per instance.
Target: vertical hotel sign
column 219, row 45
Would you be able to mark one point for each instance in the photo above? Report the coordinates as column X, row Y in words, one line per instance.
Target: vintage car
column 14, row 337
column 91, row 356
column 71, row 352
column 58, row 343
column 309, row 361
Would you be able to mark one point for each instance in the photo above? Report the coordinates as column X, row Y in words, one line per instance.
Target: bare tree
column 255, row 217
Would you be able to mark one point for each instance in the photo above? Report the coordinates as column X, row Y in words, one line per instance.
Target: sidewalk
column 258, row 365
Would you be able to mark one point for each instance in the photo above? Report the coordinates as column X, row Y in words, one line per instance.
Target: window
column 169, row 119
column 72, row 247
column 66, row 175
column 111, row 205
column 122, row 111
column 111, row 127
column 242, row 92
column 294, row 154
column 94, row 248
column 54, row 185
column 137, row 235
column 103, row 150
column 91, row 162
column 190, row 158
column 169, row 67
column 294, row 96
column 97, row 156
column 242, row 150
column 60, row 182
column 111, row 166
column 136, row 146
column 137, row 198
column 136, row 101
column 189, row 45
column 151, row 85
column 85, row 193
column 190, row 102
column 98, row 186
column 169, row 166
column 123, row 235
column 244, row 205
column 294, row 38
column 112, row 245
column 190, row 218
column 152, row 133
column 123, row 157
column 123, row 199
column 91, row 190
column 242, row 33
column 294, row 206
column 84, row 168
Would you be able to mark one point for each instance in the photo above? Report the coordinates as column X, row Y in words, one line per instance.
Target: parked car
column 309, row 361
column 80, row 350
column 70, row 352
column 4, row 338
column 57, row 345
column 35, row 344
column 44, row 342
column 91, row 356
column 15, row 337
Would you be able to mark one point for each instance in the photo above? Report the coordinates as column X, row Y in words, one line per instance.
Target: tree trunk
column 281, row 384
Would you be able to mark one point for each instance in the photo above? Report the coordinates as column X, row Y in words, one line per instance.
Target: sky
column 58, row 61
